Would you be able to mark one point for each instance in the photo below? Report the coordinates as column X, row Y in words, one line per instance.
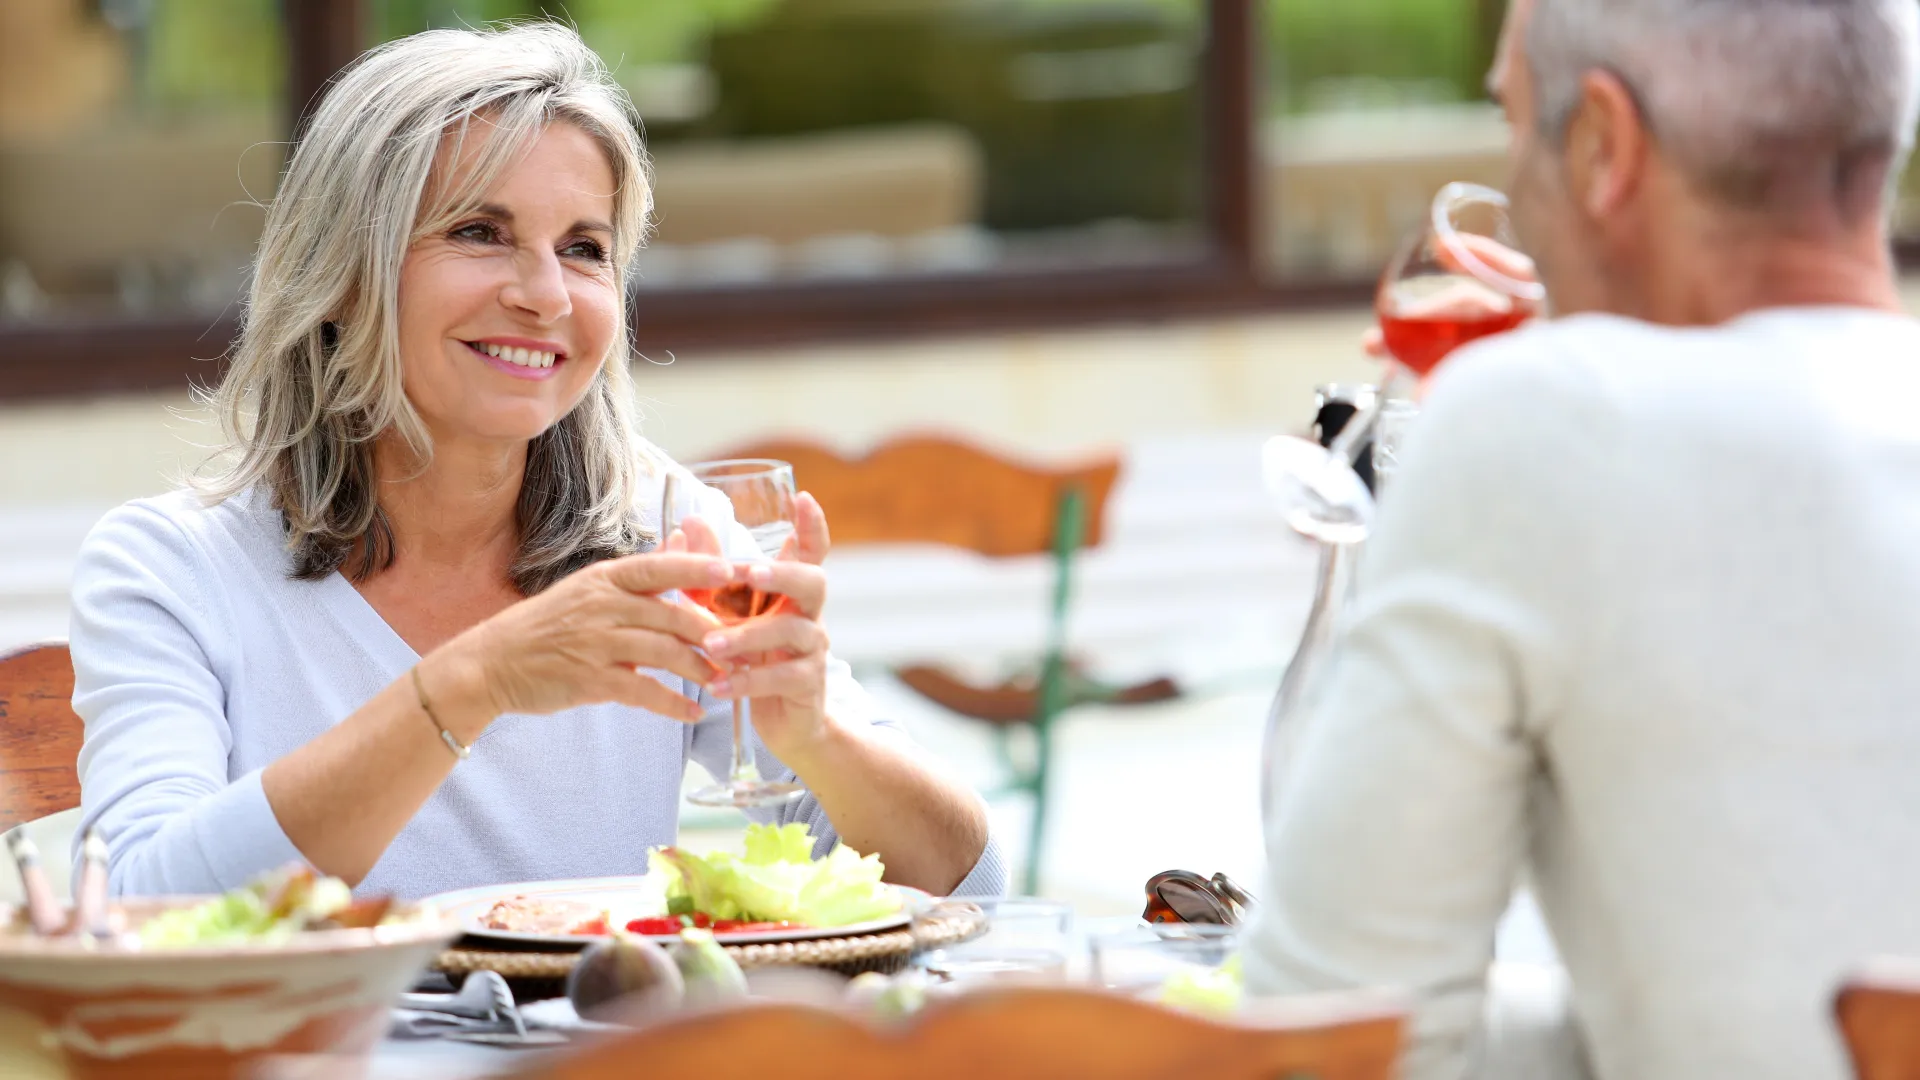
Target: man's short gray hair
column 1761, row 102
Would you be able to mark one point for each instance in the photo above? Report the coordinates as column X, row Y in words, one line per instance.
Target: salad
column 777, row 882
column 774, row 884
column 1216, row 992
column 269, row 909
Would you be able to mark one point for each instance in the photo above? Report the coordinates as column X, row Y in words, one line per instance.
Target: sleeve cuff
column 988, row 876
column 239, row 836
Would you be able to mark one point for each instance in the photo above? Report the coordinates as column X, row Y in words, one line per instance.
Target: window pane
column 1375, row 104
column 831, row 139
column 134, row 136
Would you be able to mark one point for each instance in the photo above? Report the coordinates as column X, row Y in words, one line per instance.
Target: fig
column 629, row 972
column 710, row 975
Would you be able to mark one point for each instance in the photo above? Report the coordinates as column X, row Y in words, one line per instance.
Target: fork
column 484, row 995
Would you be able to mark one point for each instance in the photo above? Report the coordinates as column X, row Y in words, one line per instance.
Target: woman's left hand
column 784, row 652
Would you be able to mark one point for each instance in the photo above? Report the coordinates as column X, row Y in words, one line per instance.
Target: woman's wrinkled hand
column 580, row 643
column 779, row 659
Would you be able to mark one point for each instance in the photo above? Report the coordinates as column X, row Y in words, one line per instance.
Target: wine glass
column 1457, row 279
column 761, row 491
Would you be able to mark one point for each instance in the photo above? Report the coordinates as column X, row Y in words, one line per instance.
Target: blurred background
column 1053, row 228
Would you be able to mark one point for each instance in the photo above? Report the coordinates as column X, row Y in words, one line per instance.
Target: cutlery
column 483, row 996
column 42, row 909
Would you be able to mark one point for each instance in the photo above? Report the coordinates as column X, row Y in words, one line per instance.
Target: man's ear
column 1606, row 146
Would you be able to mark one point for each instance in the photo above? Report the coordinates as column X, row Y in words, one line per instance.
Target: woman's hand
column 784, row 651
column 579, row 643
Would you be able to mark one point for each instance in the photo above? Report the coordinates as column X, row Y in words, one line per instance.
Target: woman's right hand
column 579, row 643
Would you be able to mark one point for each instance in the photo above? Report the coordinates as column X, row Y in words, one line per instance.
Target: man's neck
column 461, row 510
column 1723, row 274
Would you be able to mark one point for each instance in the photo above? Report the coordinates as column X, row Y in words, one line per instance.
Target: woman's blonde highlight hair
column 315, row 377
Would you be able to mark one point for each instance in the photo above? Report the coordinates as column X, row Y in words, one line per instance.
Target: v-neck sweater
column 199, row 660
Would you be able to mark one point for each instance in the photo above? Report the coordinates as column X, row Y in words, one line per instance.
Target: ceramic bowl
column 84, row 1011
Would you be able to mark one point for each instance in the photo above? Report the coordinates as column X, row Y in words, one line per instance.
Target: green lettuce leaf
column 777, row 880
column 767, row 845
column 271, row 908
column 1214, row 992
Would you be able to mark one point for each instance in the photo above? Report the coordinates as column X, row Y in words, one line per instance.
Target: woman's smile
column 519, row 357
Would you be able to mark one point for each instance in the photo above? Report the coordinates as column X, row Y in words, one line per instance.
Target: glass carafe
column 1339, row 548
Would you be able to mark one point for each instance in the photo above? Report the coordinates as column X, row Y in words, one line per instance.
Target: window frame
column 57, row 358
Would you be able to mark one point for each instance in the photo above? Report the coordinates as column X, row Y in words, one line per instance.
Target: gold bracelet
column 459, row 751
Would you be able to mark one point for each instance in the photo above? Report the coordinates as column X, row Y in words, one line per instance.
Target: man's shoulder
column 1591, row 349
column 1553, row 352
column 1551, row 372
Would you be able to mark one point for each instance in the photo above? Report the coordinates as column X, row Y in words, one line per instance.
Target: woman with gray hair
column 418, row 627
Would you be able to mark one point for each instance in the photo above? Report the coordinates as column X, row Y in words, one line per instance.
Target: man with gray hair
column 1638, row 616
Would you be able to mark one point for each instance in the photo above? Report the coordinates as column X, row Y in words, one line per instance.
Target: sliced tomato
column 669, row 925
column 664, row 924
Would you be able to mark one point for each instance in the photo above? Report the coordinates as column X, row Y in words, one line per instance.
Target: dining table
column 447, row 1059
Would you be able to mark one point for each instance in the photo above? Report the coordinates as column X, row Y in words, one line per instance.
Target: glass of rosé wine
column 762, row 493
column 1459, row 278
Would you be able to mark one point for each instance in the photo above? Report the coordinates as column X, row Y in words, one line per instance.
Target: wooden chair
column 997, row 508
column 39, row 734
column 1014, row 1034
column 1878, row 1011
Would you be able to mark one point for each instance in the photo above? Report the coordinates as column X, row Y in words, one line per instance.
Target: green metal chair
column 998, row 508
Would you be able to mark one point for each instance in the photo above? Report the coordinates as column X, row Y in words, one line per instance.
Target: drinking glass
column 761, row 491
column 1457, row 279
column 1389, row 436
column 1140, row 961
column 1025, row 940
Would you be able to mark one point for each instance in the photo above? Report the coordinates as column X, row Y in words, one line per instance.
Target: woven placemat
column 885, row 952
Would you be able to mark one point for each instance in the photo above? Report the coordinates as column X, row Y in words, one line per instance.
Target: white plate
column 626, row 898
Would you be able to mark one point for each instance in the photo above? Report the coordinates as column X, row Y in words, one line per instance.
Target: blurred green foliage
column 793, row 66
column 205, row 52
column 1082, row 111
column 1321, row 52
column 624, row 32
column 1324, row 53
column 785, row 67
